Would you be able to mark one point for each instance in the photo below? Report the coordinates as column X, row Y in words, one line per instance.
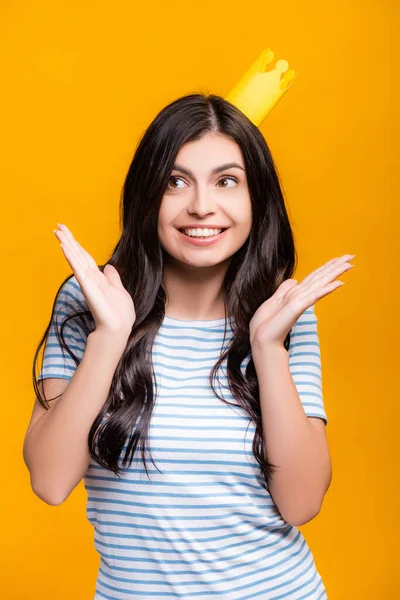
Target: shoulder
column 70, row 292
column 308, row 317
column 70, row 300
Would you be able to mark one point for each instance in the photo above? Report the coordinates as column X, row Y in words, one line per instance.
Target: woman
column 132, row 353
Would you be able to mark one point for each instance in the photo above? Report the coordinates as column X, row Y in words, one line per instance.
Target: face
column 200, row 193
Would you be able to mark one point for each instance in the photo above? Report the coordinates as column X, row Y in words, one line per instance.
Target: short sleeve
column 305, row 364
column 57, row 362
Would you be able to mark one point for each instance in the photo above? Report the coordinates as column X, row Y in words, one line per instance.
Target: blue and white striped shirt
column 203, row 525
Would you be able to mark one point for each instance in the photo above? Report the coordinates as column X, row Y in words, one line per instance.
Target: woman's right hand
column 110, row 304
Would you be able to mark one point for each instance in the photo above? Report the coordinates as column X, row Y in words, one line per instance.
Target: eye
column 172, row 179
column 229, row 178
column 180, row 179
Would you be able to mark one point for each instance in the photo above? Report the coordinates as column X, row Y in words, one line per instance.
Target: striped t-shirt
column 203, row 525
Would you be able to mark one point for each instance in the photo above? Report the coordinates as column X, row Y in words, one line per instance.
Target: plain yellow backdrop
column 80, row 83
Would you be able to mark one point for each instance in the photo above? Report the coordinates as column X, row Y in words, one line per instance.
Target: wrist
column 268, row 349
column 115, row 338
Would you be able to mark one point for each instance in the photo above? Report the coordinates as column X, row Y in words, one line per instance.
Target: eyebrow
column 213, row 172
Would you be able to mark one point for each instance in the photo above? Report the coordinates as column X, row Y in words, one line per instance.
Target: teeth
column 201, row 232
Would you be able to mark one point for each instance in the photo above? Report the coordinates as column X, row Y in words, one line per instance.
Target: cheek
column 165, row 232
column 162, row 221
column 244, row 225
column 167, row 215
column 242, row 217
column 244, row 232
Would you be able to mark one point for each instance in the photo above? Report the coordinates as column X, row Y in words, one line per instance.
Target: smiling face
column 200, row 193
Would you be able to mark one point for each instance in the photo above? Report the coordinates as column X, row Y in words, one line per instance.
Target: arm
column 293, row 441
column 56, row 447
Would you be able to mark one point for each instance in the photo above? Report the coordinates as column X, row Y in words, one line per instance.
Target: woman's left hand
column 273, row 320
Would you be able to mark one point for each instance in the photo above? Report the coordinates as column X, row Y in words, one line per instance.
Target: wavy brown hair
column 262, row 263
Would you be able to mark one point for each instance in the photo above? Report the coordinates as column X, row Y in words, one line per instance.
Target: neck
column 194, row 293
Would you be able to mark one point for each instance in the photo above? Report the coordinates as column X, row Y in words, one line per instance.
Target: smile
column 202, row 241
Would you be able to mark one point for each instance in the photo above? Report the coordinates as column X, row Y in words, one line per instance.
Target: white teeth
column 201, row 232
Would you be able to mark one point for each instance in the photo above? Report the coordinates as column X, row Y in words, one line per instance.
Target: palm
column 273, row 320
column 109, row 302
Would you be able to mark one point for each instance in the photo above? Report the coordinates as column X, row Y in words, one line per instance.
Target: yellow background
column 81, row 81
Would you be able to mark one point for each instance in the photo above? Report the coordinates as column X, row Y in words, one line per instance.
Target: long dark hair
column 265, row 260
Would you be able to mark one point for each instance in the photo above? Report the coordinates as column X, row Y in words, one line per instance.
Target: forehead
column 208, row 152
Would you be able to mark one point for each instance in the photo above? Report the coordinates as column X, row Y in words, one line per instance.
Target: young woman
column 198, row 290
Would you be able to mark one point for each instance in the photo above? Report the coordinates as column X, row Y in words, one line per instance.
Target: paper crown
column 259, row 91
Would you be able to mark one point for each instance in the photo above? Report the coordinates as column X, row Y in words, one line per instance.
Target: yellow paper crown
column 259, row 91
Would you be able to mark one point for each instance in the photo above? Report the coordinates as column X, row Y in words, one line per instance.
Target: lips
column 201, row 226
column 202, row 241
column 181, row 229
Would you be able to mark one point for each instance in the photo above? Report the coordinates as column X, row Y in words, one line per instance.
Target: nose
column 201, row 203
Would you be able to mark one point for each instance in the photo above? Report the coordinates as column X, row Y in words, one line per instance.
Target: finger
column 85, row 259
column 88, row 256
column 314, row 273
column 328, row 289
column 320, row 269
column 113, row 276
column 284, row 288
column 74, row 255
column 91, row 263
column 75, row 244
column 330, row 275
column 330, row 264
column 77, row 269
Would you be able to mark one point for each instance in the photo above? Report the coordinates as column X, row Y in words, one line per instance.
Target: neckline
column 196, row 323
